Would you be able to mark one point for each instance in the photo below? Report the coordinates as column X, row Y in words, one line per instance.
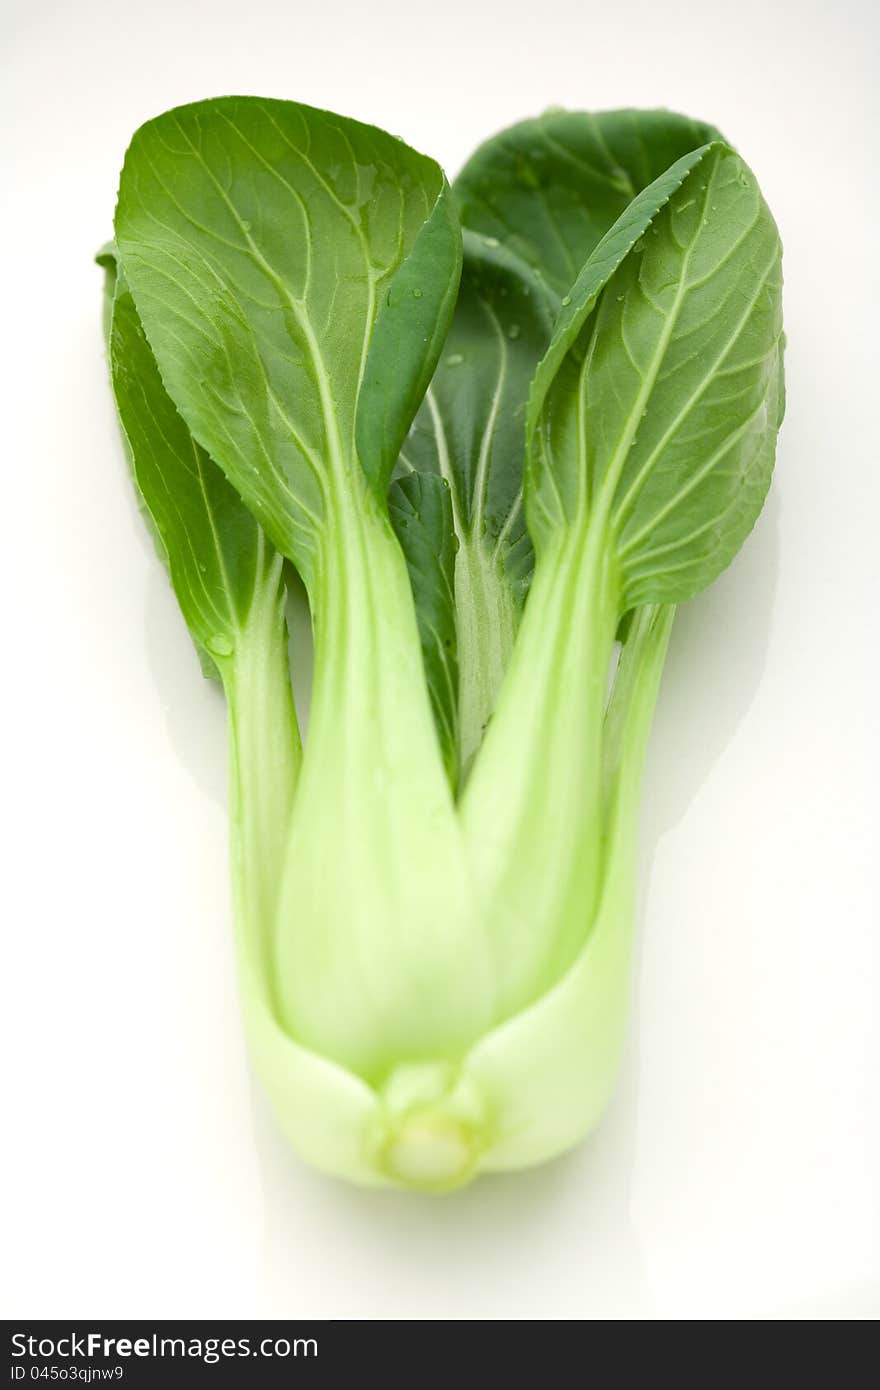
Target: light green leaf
column 670, row 297
column 262, row 240
column 654, row 413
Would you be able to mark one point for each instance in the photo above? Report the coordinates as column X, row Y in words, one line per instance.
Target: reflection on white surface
column 717, row 654
column 410, row 1256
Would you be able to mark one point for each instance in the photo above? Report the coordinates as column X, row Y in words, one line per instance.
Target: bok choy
column 499, row 430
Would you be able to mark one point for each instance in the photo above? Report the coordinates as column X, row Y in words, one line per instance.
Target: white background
column 736, row 1173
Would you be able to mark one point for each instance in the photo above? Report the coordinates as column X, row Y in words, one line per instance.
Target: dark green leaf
column 549, row 188
column 262, row 241
column 213, row 549
column 420, row 507
column 536, row 200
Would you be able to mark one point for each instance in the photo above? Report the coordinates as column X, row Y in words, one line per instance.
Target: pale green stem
column 631, row 709
column 532, row 808
column 380, row 957
column 264, row 762
column 485, row 620
column 546, row 1075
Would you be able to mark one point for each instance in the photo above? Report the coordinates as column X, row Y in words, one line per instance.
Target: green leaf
column 538, row 197
column 469, row 433
column 214, row 551
column 471, row 429
column 549, row 188
column 654, row 413
column 409, row 332
column 324, row 1110
column 262, row 241
column 683, row 286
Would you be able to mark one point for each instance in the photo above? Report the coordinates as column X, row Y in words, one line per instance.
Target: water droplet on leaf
column 454, row 359
column 220, row 645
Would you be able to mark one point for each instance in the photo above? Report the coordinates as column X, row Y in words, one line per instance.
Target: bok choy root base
column 500, row 430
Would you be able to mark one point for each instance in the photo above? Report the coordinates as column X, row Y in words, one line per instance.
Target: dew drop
column 417, row 294
column 566, row 299
column 245, row 226
column 620, row 298
column 220, row 645
column 454, row 359
column 492, row 241
column 514, row 331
